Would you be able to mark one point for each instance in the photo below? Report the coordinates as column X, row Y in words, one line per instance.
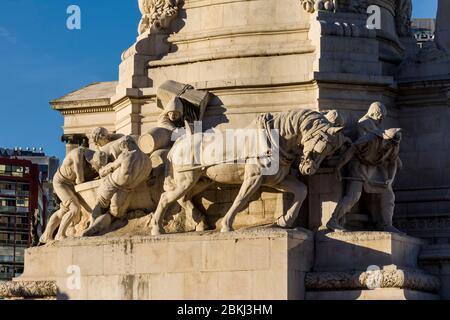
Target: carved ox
column 302, row 133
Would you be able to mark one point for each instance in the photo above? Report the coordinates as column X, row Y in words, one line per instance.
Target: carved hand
column 105, row 171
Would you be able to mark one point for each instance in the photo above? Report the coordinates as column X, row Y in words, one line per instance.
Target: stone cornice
column 86, row 110
column 28, row 289
column 189, row 4
column 231, row 54
column 238, row 32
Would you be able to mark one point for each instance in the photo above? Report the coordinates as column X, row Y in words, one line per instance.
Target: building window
column 4, row 220
column 7, row 186
column 14, row 171
column 22, row 202
column 5, row 170
column 6, row 259
column 23, row 187
column 7, row 204
column 17, row 171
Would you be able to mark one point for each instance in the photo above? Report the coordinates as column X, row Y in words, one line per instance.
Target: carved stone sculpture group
column 294, row 143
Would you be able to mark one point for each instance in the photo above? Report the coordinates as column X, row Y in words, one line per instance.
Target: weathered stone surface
column 348, row 251
column 262, row 56
column 372, row 280
column 443, row 26
column 235, row 265
column 379, row 294
column 369, row 265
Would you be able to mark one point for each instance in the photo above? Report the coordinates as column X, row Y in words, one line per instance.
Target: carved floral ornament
column 157, row 14
column 311, row 6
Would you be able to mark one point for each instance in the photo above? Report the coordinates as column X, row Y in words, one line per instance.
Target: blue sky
column 40, row 59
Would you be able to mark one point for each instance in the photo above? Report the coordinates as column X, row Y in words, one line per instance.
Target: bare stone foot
column 101, row 224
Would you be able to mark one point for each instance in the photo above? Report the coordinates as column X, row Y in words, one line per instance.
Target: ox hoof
column 59, row 238
column 45, row 239
column 202, row 226
column 88, row 232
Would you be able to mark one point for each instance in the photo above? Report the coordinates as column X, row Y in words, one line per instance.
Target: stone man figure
column 181, row 104
column 108, row 143
column 172, row 117
column 80, row 165
column 374, row 161
column 119, row 179
column 101, row 137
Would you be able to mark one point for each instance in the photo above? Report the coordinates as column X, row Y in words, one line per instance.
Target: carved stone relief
column 157, row 14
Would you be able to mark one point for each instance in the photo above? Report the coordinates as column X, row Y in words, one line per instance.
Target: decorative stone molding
column 87, row 110
column 343, row 29
column 430, row 53
column 354, row 6
column 390, row 277
column 78, row 139
column 28, row 290
column 312, row 6
column 157, row 14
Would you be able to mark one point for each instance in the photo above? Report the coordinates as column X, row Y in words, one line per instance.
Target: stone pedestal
column 369, row 266
column 263, row 263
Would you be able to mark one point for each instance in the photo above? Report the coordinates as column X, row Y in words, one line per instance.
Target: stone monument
column 255, row 149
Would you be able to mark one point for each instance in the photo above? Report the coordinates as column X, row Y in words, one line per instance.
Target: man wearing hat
column 180, row 103
column 373, row 163
column 172, row 117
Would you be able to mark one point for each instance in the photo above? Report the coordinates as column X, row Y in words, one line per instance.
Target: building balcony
column 5, row 192
column 17, row 243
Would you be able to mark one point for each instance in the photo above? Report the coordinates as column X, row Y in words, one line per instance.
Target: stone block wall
column 423, row 187
column 257, row 264
column 264, row 207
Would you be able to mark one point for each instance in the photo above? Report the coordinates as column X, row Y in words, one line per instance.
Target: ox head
column 319, row 146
